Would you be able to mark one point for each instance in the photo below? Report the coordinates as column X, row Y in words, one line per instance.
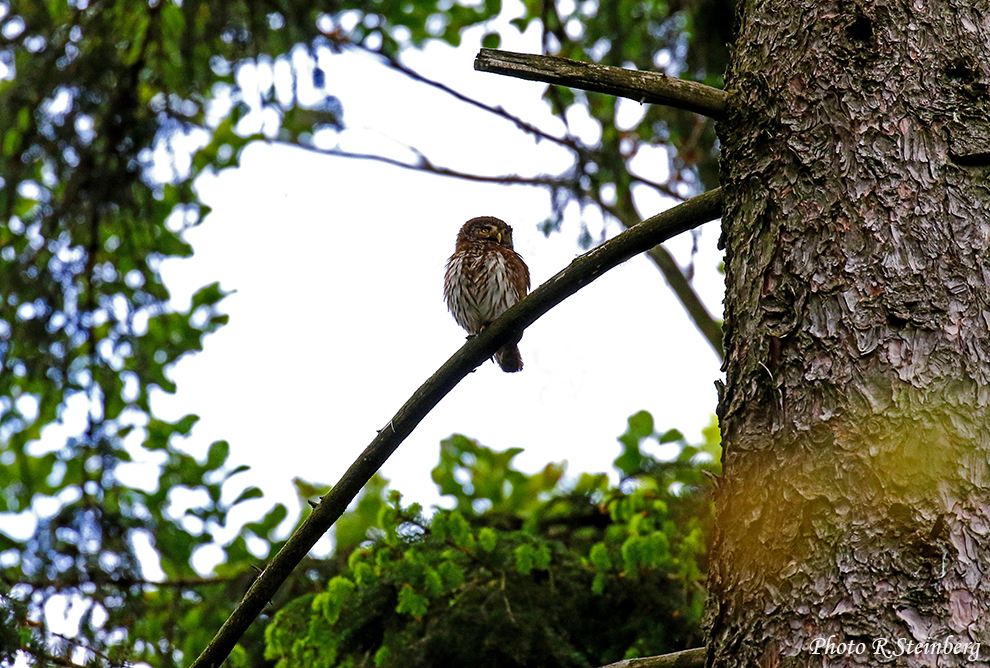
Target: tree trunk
column 855, row 503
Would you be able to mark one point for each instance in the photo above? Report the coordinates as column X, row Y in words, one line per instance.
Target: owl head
column 486, row 230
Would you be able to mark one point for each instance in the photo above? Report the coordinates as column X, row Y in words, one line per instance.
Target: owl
column 484, row 278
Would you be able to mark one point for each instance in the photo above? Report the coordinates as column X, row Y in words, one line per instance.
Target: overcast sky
column 338, row 314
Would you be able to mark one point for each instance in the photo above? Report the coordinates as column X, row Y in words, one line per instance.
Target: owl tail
column 508, row 358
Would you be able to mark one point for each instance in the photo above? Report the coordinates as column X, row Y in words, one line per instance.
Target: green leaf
column 487, row 539
column 219, row 451
column 541, row 557
column 598, row 556
column 333, row 600
column 525, row 559
column 247, row 495
column 640, row 425
column 598, row 584
column 208, row 295
column 353, row 527
column 411, row 603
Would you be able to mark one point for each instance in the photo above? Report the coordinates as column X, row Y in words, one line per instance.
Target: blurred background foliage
column 521, row 570
column 108, row 113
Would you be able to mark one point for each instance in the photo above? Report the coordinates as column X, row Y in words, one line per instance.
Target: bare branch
column 652, row 87
column 579, row 273
column 69, row 585
column 62, row 661
column 51, row 658
column 678, row 283
column 689, row 658
column 696, row 310
column 660, row 187
column 398, row 66
column 425, row 165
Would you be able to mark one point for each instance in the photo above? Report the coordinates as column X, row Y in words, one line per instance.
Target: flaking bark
column 856, row 496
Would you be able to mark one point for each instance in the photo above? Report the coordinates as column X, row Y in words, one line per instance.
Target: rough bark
column 855, row 501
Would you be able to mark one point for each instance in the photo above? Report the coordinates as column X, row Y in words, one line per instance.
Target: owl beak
column 498, row 235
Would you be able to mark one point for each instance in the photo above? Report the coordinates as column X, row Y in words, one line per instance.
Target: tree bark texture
column 855, row 502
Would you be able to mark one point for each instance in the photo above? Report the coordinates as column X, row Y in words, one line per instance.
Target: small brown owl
column 484, row 278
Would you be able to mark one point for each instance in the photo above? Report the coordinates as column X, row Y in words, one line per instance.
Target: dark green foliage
column 93, row 90
column 524, row 570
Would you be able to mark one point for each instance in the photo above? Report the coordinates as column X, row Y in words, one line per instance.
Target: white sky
column 339, row 314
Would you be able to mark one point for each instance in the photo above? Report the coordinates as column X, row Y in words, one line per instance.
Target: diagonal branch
column 399, row 66
column 652, row 87
column 580, row 272
column 685, row 293
column 709, row 327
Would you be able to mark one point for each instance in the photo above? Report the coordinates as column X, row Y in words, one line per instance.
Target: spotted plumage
column 484, row 278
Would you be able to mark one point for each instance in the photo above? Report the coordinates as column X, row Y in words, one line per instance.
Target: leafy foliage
column 523, row 570
column 89, row 93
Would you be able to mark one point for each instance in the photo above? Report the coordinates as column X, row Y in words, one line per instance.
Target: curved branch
column 580, row 272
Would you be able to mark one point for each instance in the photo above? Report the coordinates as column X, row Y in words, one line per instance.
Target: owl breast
column 478, row 286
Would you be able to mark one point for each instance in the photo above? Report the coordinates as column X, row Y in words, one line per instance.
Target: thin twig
column 70, row 641
column 51, row 658
column 508, row 327
column 75, row 583
column 661, row 187
column 394, row 63
column 425, row 165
